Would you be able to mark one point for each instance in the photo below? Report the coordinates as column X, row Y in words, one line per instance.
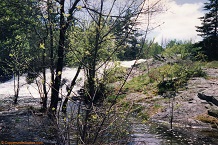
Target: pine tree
column 209, row 30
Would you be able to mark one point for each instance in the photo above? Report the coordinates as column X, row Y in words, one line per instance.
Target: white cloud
column 179, row 22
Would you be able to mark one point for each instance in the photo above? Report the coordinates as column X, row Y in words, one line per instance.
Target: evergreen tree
column 209, row 30
column 126, row 33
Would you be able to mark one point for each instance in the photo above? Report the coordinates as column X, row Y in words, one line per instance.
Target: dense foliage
column 15, row 25
column 181, row 50
column 169, row 77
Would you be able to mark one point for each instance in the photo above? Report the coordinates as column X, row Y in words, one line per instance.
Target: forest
column 63, row 62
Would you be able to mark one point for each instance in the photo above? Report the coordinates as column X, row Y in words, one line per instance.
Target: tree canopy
column 209, row 30
column 16, row 25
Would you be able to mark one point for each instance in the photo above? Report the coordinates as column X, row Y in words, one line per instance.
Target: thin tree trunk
column 77, row 123
column 56, row 84
column 172, row 111
column 16, row 88
column 84, row 129
column 73, row 82
column 59, row 67
column 44, row 107
column 91, row 77
column 51, row 43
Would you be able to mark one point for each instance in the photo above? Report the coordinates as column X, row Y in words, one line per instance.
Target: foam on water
column 7, row 88
column 129, row 64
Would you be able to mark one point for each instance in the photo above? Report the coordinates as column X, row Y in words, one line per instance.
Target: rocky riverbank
column 23, row 123
column 192, row 105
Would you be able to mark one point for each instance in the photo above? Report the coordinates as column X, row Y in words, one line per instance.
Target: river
column 151, row 133
column 7, row 88
column 148, row 133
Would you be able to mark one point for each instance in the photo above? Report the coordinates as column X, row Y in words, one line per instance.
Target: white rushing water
column 129, row 64
column 7, row 88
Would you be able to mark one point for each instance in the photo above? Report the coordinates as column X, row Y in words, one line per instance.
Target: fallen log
column 208, row 98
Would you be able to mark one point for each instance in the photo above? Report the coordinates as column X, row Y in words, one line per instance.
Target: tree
column 92, row 46
column 180, row 50
column 132, row 48
column 10, row 27
column 16, row 27
column 124, row 29
column 150, row 49
column 100, row 18
column 19, row 62
column 209, row 30
column 64, row 22
column 47, row 20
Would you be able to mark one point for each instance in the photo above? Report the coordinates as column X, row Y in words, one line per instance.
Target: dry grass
column 208, row 119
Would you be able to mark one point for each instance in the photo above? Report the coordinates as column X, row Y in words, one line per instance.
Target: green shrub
column 182, row 50
column 168, row 85
column 138, row 83
column 169, row 77
column 114, row 97
column 212, row 64
column 144, row 116
column 115, row 74
column 178, row 74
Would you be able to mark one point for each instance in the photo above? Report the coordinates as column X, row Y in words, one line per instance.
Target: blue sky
column 179, row 21
column 189, row 1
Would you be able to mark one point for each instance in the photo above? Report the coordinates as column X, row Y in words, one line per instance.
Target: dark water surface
column 154, row 134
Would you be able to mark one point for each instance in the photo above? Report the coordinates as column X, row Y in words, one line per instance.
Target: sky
column 179, row 21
